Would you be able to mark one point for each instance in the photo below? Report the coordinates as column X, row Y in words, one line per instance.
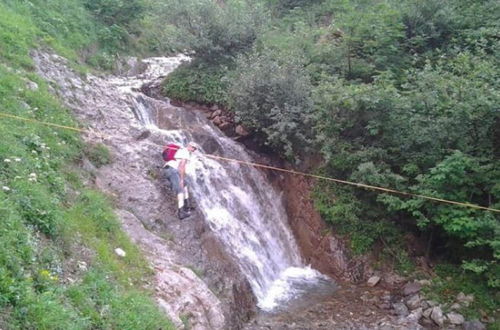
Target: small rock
column 31, row 85
column 413, row 302
column 465, row 299
column 427, row 313
column 144, row 135
column 120, row 252
column 214, row 107
column 217, row 120
column 415, row 315
column 400, row 309
column 474, row 325
column 372, row 281
column 393, row 279
column 384, row 306
column 437, row 316
column 424, row 282
column 455, row 318
column 432, row 303
column 82, row 265
column 241, row 131
column 455, row 306
column 216, row 113
column 411, row 288
column 461, row 297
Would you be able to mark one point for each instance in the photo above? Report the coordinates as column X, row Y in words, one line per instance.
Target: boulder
column 414, row 302
column 372, row 281
column 465, row 299
column 455, row 318
column 415, row 315
column 432, row 303
column 241, row 131
column 474, row 325
column 393, row 279
column 216, row 113
column 120, row 252
column 217, row 120
column 437, row 316
column 31, row 85
column 400, row 309
column 427, row 313
column 411, row 288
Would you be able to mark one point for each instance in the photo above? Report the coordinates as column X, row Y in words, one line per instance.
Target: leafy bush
column 116, row 12
column 272, row 96
column 198, row 82
column 213, row 31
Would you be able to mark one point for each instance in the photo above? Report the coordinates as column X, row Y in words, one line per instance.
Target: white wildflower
column 7, row 160
column 17, row 159
column 5, row 188
column 33, row 151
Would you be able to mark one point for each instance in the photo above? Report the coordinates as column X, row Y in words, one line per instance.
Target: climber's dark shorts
column 173, row 176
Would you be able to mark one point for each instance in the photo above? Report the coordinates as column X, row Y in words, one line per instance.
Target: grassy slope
column 57, row 265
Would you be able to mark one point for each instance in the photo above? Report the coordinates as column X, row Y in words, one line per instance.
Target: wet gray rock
column 455, row 318
column 427, row 313
column 143, row 135
column 31, row 85
column 474, row 325
column 437, row 316
column 392, row 279
column 464, row 299
column 415, row 315
column 400, row 309
column 372, row 281
column 414, row 301
column 411, row 288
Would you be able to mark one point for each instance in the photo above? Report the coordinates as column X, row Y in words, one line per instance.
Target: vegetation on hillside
column 398, row 94
column 58, row 268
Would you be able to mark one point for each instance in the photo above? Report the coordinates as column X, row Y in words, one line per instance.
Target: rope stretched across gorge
column 273, row 168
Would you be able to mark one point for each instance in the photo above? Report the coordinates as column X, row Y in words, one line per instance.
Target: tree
column 216, row 32
column 271, row 94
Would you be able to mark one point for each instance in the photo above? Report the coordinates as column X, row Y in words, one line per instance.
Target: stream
column 240, row 206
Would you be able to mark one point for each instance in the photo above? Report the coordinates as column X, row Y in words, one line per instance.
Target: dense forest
column 396, row 94
column 402, row 94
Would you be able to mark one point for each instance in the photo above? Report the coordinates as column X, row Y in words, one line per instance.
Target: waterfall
column 239, row 204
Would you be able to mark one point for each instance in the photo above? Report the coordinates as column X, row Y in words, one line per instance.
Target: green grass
column 49, row 221
column 98, row 154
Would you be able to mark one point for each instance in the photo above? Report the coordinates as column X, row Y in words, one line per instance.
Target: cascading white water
column 239, row 204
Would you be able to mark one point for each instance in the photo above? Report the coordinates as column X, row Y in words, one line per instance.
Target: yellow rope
column 361, row 185
column 30, row 120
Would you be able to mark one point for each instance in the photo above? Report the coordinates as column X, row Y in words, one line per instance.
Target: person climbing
column 176, row 159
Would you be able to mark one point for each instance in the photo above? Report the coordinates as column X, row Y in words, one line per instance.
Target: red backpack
column 169, row 151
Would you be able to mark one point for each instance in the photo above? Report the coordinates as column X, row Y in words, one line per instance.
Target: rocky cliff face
column 319, row 245
column 194, row 279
